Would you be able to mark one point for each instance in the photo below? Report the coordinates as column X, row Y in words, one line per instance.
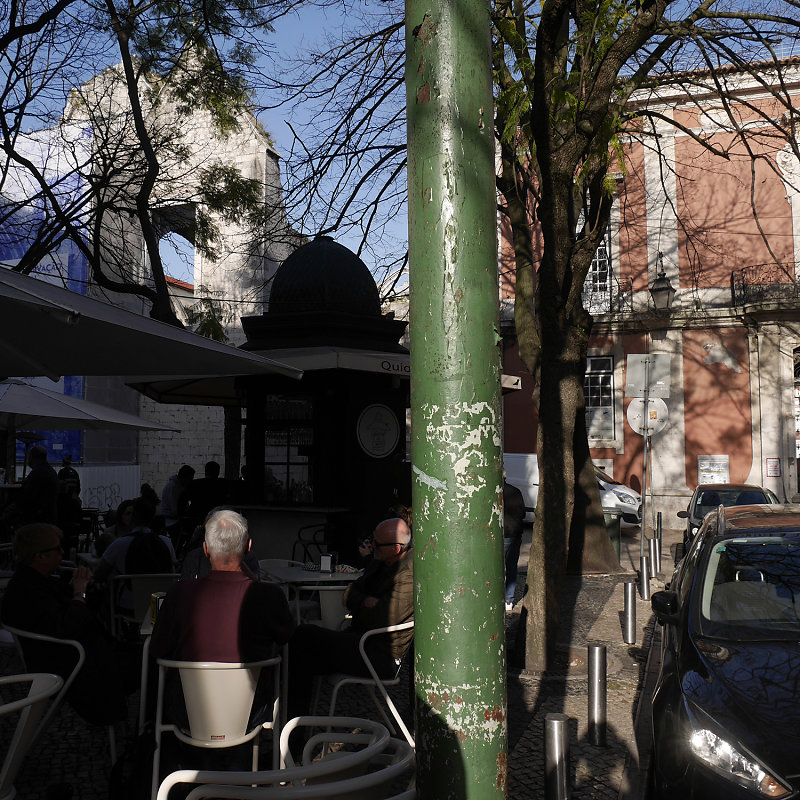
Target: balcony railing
column 765, row 283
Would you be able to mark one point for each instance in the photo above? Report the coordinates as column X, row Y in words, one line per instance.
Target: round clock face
column 378, row 430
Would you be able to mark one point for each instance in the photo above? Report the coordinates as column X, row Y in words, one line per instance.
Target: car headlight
column 725, row 759
column 624, row 498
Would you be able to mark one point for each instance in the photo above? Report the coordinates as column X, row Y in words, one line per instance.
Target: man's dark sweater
column 224, row 616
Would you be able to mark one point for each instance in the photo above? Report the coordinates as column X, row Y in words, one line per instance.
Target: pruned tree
column 107, row 89
column 566, row 80
column 567, row 75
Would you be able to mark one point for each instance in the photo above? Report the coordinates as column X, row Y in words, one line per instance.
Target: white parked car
column 522, row 470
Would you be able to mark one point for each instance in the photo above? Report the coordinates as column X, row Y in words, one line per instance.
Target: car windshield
column 713, row 498
column 751, row 588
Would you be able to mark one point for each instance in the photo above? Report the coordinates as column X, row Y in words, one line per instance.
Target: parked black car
column 726, row 709
column 708, row 496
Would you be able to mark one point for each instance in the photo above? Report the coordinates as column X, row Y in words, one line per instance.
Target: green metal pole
column 455, row 403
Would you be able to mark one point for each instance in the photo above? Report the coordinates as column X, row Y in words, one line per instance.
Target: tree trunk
column 561, row 386
column 590, row 548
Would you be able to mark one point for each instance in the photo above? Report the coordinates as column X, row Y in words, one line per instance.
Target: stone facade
column 235, row 277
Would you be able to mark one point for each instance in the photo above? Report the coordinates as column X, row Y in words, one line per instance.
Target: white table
column 331, row 587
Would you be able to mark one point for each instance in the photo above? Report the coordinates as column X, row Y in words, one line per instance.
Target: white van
column 522, row 471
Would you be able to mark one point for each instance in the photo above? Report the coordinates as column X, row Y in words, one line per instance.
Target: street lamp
column 661, row 290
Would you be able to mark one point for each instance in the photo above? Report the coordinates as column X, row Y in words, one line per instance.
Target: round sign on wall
column 378, row 430
column 655, row 418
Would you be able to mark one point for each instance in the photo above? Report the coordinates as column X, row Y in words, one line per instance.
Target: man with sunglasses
column 383, row 595
column 38, row 601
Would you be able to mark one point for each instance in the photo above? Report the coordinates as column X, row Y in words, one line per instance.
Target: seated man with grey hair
column 224, row 616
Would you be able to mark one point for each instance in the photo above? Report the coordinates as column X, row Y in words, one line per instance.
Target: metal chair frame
column 18, row 634
column 142, row 586
column 43, row 686
column 328, row 777
column 317, row 540
column 373, row 682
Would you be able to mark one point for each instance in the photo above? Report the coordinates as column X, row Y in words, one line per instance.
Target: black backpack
column 146, row 554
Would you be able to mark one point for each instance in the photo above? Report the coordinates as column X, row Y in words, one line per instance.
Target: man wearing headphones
column 383, row 595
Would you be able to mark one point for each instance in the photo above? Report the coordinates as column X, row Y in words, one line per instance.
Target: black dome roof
column 324, row 276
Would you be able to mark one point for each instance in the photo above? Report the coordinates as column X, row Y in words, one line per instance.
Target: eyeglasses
column 53, row 549
column 387, row 544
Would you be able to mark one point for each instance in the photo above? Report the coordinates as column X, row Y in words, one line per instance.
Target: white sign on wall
column 773, row 468
column 713, row 469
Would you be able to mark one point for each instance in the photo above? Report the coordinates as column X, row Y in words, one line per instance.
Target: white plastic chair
column 43, row 686
column 219, row 697
column 373, row 682
column 142, row 587
column 362, row 773
column 20, row 634
column 386, row 768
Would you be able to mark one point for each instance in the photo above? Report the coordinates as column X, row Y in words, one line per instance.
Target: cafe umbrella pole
column 455, row 404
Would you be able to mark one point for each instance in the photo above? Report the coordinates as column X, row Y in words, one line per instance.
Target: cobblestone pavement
column 591, row 613
column 76, row 753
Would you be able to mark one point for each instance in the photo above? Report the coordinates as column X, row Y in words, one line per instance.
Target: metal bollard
column 658, row 555
column 556, row 757
column 597, row 694
column 629, row 634
column 644, row 577
column 653, row 552
column 658, row 543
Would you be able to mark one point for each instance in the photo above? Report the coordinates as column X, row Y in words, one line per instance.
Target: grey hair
column 226, row 534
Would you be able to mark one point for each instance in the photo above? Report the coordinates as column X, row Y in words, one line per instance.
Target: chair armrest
column 18, row 633
column 402, row 626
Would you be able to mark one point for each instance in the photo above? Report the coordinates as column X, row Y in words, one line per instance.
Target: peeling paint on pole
column 455, row 401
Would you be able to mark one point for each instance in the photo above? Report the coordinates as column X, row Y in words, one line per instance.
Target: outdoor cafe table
column 300, row 577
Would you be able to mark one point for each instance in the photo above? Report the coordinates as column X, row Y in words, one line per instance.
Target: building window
column 597, row 287
column 598, row 391
column 288, row 448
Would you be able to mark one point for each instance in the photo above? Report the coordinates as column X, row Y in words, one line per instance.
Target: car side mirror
column 683, row 515
column 665, row 607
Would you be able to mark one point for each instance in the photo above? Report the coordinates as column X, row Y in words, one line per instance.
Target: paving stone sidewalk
column 591, row 613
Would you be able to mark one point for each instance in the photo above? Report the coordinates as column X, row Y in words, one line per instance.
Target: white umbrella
column 48, row 330
column 23, row 405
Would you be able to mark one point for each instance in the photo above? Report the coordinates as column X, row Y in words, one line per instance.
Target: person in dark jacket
column 38, row 495
column 513, row 516
column 383, row 595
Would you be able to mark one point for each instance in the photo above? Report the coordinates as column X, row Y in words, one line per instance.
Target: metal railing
column 764, row 283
